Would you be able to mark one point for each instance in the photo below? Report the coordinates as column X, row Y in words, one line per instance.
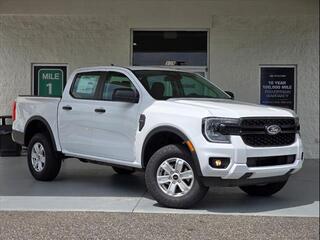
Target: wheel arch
column 167, row 130
column 38, row 124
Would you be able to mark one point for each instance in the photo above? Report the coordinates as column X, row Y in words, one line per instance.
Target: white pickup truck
column 186, row 133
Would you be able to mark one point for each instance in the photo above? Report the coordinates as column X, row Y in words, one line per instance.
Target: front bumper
column 243, row 181
column 238, row 152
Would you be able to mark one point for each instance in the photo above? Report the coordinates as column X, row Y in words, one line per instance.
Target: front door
column 116, row 124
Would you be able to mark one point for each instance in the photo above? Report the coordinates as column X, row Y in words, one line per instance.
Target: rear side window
column 85, row 85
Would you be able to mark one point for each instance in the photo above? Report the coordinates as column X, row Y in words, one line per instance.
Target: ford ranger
column 185, row 133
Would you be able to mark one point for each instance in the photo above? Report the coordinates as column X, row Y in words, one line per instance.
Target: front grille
column 261, row 122
column 270, row 161
column 253, row 132
column 259, row 140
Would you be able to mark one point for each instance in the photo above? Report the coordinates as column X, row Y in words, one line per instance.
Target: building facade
column 227, row 41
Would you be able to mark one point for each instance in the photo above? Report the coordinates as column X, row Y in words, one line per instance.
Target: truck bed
column 31, row 107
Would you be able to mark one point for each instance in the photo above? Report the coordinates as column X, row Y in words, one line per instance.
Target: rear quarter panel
column 44, row 107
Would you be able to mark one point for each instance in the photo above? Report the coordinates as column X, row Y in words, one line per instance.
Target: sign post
column 278, row 86
column 49, row 79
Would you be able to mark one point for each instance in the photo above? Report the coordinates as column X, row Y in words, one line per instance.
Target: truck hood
column 234, row 109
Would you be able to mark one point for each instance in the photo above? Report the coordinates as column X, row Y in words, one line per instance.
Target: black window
column 85, row 85
column 115, row 80
column 187, row 48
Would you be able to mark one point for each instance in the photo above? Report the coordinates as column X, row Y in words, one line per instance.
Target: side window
column 85, row 85
column 115, row 80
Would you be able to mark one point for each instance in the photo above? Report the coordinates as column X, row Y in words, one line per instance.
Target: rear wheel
column 171, row 178
column 263, row 190
column 123, row 170
column 42, row 161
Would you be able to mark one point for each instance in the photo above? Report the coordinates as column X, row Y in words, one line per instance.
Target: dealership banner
column 277, row 86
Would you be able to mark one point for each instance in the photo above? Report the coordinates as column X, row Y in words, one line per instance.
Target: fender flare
column 174, row 131
column 44, row 121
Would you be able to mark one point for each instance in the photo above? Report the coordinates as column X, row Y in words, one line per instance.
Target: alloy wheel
column 175, row 177
column 38, row 157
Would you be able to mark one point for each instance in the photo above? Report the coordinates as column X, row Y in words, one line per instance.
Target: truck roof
column 132, row 68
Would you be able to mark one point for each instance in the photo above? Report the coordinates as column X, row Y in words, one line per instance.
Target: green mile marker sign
column 49, row 81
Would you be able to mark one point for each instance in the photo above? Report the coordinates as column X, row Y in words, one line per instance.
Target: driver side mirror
column 125, row 95
column 231, row 94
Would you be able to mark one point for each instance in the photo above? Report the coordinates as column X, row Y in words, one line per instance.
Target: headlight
column 215, row 129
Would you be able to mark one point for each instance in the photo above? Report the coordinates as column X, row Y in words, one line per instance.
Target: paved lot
column 75, row 225
column 87, row 187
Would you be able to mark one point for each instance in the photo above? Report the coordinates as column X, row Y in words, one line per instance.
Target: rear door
column 76, row 112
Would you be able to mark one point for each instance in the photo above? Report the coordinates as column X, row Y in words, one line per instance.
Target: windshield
column 163, row 85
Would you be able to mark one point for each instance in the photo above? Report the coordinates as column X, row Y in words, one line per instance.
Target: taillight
column 14, row 111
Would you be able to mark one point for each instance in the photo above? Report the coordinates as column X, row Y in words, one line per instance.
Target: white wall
column 243, row 34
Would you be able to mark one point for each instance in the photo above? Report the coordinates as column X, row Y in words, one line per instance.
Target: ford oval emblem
column 273, row 129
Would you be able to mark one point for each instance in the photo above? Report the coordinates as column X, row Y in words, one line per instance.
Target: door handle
column 100, row 110
column 67, row 108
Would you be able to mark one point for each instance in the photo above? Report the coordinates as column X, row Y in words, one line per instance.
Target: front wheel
column 42, row 161
column 263, row 190
column 171, row 178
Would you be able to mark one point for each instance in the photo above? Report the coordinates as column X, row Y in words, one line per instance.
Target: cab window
column 85, row 85
column 114, row 81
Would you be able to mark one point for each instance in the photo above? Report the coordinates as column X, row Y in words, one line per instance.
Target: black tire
column 52, row 163
column 196, row 192
column 120, row 170
column 263, row 190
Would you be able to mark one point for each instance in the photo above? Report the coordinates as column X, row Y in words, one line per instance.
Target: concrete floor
column 87, row 187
